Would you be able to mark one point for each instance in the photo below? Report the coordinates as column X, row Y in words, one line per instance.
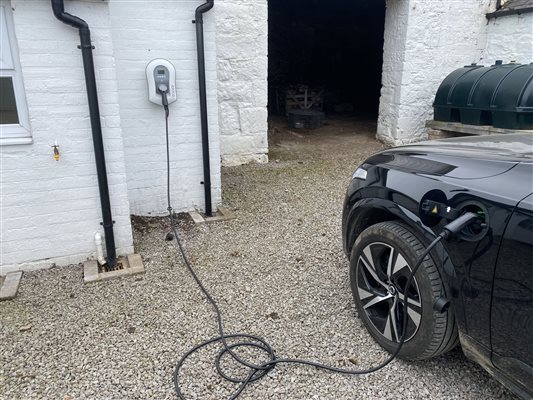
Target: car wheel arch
column 370, row 211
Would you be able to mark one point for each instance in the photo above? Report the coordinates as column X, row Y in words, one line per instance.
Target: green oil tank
column 500, row 95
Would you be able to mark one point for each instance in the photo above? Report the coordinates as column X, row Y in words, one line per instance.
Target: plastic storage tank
column 500, row 95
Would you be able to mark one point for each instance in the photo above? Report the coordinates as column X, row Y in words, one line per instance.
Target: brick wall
column 242, row 64
column 50, row 210
column 141, row 32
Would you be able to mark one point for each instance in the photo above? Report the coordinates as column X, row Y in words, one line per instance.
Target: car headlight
column 360, row 173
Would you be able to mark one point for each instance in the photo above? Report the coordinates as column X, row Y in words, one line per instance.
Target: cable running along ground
column 246, row 340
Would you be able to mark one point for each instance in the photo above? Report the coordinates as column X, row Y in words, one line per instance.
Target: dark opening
column 333, row 49
column 8, row 104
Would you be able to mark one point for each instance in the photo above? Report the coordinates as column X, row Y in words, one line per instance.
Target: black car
column 475, row 290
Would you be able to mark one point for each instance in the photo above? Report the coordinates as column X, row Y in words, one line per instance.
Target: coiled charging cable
column 258, row 371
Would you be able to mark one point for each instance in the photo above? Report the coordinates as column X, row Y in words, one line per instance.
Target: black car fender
column 370, row 211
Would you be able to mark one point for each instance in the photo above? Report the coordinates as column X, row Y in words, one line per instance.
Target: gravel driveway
column 277, row 270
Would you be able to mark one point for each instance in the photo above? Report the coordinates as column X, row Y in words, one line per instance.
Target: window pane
column 8, row 105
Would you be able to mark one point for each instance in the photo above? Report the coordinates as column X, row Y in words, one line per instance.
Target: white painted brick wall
column 143, row 31
column 50, row 210
column 424, row 42
column 242, row 59
column 509, row 38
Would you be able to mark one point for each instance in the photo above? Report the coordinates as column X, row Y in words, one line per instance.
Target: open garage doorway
column 325, row 56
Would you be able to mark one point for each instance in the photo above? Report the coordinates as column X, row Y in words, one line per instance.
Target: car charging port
column 479, row 228
column 435, row 209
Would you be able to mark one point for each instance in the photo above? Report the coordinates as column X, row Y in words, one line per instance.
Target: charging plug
column 163, row 89
column 457, row 225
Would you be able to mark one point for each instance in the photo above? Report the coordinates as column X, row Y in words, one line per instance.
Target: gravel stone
column 277, row 270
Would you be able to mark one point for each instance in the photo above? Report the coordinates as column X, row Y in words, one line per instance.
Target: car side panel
column 474, row 262
column 512, row 304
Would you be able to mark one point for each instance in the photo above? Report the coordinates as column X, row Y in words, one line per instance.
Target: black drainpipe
column 203, row 101
column 88, row 67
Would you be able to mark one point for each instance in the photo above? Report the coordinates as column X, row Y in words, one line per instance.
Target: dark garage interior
column 326, row 56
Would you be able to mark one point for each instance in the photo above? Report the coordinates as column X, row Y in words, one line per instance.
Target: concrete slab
column 223, row 214
column 10, row 285
column 196, row 217
column 90, row 271
column 131, row 265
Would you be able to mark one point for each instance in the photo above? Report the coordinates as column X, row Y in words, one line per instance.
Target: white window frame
column 20, row 133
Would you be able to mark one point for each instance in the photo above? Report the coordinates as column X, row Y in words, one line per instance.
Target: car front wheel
column 381, row 261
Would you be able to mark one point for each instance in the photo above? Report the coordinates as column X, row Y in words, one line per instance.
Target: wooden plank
column 471, row 129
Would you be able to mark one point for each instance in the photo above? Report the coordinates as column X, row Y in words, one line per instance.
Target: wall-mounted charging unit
column 161, row 76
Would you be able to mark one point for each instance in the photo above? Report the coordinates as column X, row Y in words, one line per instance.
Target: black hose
column 245, row 340
column 96, row 127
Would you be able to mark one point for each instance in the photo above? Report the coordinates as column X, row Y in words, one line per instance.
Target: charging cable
column 258, row 371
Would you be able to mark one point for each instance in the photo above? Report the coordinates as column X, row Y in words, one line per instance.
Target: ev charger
column 161, row 76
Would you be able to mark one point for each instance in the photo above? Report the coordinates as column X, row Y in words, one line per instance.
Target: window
column 14, row 121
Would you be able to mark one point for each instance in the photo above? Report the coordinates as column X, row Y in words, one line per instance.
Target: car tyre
column 381, row 260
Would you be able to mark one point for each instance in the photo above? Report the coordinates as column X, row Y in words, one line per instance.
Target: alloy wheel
column 382, row 274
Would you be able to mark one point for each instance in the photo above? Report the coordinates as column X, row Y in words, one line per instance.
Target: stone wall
column 242, row 66
column 424, row 42
column 509, row 38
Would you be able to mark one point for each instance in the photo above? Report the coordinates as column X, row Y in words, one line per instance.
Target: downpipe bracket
column 107, row 225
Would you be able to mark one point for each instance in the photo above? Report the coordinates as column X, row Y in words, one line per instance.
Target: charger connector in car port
column 458, row 224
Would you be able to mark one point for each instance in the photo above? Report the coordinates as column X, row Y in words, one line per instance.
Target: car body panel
column 457, row 174
column 512, row 305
